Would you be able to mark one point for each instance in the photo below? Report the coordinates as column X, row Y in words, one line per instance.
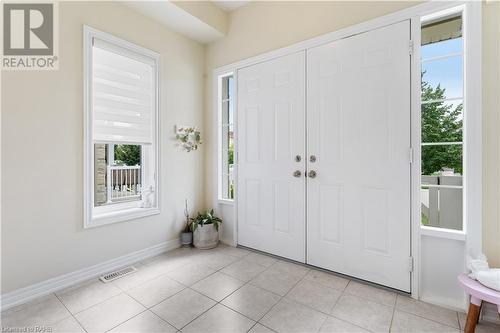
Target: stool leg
column 472, row 318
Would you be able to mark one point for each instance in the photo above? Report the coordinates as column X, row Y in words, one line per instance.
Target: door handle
column 297, row 173
column 312, row 174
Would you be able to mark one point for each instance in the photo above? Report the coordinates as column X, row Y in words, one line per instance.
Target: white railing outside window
column 123, row 183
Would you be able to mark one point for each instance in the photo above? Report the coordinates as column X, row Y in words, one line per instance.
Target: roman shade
column 123, row 94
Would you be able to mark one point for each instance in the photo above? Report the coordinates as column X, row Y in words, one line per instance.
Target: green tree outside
column 128, row 155
column 441, row 122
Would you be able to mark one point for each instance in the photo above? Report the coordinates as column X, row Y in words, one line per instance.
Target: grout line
column 71, row 313
column 126, row 320
column 392, row 317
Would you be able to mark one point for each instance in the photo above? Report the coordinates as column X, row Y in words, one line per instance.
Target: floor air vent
column 118, row 274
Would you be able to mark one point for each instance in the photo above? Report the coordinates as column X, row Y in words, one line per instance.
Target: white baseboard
column 57, row 283
column 452, row 304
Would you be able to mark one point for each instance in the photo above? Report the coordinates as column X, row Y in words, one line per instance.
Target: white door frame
column 473, row 162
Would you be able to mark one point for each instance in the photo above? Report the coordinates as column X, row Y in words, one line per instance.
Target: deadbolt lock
column 298, row 158
column 312, row 159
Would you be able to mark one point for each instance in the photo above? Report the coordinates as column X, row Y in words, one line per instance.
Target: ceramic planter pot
column 205, row 237
column 186, row 239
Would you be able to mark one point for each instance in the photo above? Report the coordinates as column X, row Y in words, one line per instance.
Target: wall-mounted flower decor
column 189, row 138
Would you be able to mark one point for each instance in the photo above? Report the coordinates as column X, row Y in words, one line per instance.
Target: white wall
column 42, row 151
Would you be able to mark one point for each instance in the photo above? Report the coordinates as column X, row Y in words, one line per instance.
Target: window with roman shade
column 121, row 129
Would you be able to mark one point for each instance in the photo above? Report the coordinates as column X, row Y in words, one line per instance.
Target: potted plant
column 205, row 230
column 187, row 234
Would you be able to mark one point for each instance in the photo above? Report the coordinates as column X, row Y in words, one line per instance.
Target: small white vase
column 206, row 237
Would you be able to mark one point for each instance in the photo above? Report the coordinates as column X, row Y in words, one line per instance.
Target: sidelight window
column 226, row 137
column 442, row 116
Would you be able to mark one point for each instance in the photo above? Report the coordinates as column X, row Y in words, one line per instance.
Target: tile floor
column 231, row 290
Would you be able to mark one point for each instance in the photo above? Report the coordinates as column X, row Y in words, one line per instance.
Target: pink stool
column 478, row 293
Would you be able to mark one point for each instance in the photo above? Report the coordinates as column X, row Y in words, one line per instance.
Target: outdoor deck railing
column 123, row 183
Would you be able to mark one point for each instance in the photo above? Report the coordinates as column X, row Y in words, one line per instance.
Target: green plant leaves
column 208, row 217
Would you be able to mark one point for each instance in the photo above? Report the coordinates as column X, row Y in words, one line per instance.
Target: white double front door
column 341, row 117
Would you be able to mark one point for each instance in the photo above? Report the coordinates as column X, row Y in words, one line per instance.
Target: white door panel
column 358, row 120
column 271, row 132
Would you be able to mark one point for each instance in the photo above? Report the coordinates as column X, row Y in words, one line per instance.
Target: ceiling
column 229, row 6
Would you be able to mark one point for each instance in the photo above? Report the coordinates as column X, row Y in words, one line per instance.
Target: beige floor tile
column 217, row 260
column 68, row 325
column 362, row 312
column 290, row 268
column 219, row 319
column 314, row 295
column 375, row 294
column 217, row 286
column 259, row 328
column 146, row 322
column 289, row 316
column 260, row 259
column 428, row 311
column 334, row 325
column 251, row 301
column 327, row 279
column 243, row 270
column 275, row 281
column 407, row 323
column 168, row 262
column 110, row 313
column 86, row 295
column 154, row 291
column 43, row 313
column 144, row 273
column 232, row 251
column 183, row 307
column 191, row 274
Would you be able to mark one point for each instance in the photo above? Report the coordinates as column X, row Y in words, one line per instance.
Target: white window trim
column 129, row 210
column 220, row 155
column 473, row 61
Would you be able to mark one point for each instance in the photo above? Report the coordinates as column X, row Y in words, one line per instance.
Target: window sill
column 225, row 202
column 443, row 233
column 120, row 216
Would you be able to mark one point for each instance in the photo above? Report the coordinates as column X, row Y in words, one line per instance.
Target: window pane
column 227, row 112
column 442, row 79
column 228, row 186
column 225, row 88
column 442, row 207
column 118, row 173
column 442, row 121
column 443, row 48
column 442, row 159
column 227, row 138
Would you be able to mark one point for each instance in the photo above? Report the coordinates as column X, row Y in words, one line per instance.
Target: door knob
column 297, row 173
column 312, row 174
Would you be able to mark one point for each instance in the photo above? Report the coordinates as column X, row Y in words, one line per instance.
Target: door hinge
column 410, row 47
column 410, row 264
column 410, row 155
